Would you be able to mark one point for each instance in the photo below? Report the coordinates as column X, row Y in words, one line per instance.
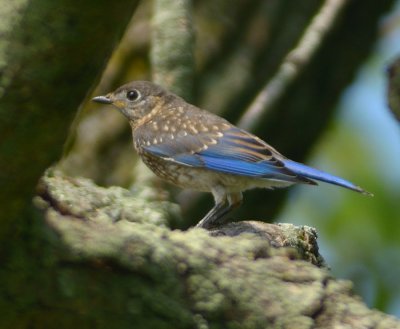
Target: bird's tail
column 303, row 170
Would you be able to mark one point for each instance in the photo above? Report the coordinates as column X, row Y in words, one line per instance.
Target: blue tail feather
column 309, row 172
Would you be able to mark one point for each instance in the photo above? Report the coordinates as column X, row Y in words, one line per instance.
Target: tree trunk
column 50, row 54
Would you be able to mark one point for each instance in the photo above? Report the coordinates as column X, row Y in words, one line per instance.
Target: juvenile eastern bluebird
column 196, row 149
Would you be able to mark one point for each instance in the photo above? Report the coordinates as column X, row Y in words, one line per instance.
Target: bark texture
column 96, row 240
column 50, row 54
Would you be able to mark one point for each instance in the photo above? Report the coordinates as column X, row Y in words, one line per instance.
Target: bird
column 196, row 149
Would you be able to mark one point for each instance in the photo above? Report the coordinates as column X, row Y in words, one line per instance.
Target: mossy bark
column 50, row 54
column 108, row 260
column 172, row 46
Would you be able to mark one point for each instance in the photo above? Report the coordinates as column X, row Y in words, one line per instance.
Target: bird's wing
column 230, row 151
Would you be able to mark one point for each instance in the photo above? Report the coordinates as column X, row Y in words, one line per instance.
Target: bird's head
column 135, row 99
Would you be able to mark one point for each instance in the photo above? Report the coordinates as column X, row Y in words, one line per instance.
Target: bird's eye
column 132, row 95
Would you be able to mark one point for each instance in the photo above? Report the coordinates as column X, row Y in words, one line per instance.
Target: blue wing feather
column 312, row 173
column 237, row 153
column 240, row 153
column 251, row 169
column 214, row 161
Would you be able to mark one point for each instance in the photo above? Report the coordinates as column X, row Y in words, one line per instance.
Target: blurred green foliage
column 359, row 235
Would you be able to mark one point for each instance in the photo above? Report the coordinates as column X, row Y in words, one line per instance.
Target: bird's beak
column 102, row 99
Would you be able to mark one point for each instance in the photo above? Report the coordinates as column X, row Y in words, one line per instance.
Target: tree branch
column 294, row 63
column 172, row 46
column 108, row 240
column 393, row 90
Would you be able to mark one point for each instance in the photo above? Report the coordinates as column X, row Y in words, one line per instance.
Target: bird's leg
column 224, row 204
column 218, row 211
column 235, row 200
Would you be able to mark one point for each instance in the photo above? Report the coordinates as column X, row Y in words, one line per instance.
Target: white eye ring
column 132, row 95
